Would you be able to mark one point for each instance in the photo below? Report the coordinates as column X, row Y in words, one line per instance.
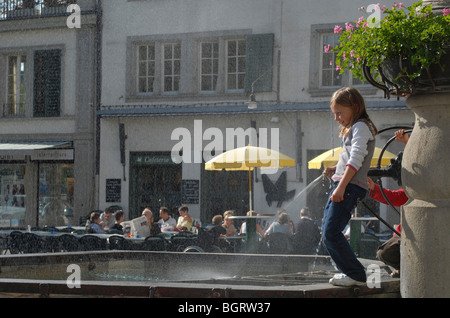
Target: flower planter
column 432, row 80
column 407, row 52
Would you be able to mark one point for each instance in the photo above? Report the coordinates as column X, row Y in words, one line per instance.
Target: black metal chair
column 14, row 242
column 31, row 243
column 68, row 243
column 117, row 242
column 92, row 243
column 180, row 243
column 279, row 243
column 3, row 245
column 154, row 243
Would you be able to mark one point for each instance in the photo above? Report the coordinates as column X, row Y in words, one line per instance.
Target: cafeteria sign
column 153, row 160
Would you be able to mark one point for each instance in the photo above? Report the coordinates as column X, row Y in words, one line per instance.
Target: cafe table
column 251, row 236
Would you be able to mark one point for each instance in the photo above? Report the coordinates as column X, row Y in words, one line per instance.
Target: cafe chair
column 279, row 243
column 13, row 241
column 208, row 241
column 68, row 243
column 92, row 243
column 3, row 245
column 31, row 243
column 117, row 242
column 180, row 243
column 154, row 243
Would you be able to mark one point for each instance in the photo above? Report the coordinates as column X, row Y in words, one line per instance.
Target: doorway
column 155, row 181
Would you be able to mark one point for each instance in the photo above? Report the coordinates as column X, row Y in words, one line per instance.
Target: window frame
column 316, row 89
column 215, row 63
column 19, row 81
column 237, row 72
column 190, row 69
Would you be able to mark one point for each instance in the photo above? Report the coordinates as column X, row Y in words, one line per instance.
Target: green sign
column 146, row 160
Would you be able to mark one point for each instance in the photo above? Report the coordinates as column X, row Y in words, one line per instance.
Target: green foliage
column 414, row 35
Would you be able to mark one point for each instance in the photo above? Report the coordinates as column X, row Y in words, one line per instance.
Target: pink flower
column 348, row 26
column 338, row 68
column 360, row 20
column 326, row 48
column 344, row 56
column 338, row 29
column 331, row 62
column 352, row 53
column 446, row 12
column 358, row 59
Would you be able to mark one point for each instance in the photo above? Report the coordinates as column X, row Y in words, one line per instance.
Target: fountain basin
column 173, row 274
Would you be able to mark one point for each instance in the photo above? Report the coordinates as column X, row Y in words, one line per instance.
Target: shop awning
column 16, row 150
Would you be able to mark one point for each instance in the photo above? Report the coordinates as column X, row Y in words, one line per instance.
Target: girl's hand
column 329, row 171
column 338, row 194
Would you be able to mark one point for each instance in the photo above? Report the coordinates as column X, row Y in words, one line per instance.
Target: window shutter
column 47, row 83
column 259, row 61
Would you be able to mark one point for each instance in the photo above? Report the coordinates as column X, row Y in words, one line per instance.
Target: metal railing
column 23, row 9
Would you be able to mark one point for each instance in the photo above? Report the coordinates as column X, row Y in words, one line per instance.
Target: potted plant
column 406, row 51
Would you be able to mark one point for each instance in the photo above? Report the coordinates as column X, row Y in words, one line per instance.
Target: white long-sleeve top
column 359, row 146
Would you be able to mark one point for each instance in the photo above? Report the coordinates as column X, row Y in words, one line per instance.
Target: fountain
column 425, row 248
column 176, row 274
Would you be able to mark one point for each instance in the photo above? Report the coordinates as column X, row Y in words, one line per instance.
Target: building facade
column 47, row 121
column 176, row 80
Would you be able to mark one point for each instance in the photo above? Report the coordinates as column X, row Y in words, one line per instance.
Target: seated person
column 119, row 216
column 229, row 226
column 281, row 225
column 184, row 221
column 154, row 228
column 307, row 234
column 209, row 236
column 94, row 224
column 166, row 222
column 107, row 219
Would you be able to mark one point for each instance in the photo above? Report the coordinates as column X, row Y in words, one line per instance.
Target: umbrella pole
column 250, row 203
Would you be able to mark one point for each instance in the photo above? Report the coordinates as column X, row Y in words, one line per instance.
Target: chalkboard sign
column 190, row 191
column 113, row 190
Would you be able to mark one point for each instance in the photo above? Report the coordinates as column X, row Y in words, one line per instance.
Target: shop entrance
column 155, row 181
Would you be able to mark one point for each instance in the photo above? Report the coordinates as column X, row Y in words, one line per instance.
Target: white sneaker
column 343, row 280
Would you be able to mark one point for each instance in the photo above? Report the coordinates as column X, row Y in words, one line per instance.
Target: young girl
column 350, row 182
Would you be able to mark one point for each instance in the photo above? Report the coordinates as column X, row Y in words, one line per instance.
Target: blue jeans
column 335, row 218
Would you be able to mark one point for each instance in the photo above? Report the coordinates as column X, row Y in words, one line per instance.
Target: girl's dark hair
column 351, row 97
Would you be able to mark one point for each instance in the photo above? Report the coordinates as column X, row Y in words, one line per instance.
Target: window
column 15, row 104
column 323, row 77
column 172, row 61
column 329, row 75
column 235, row 64
column 219, row 62
column 146, row 69
column 209, row 68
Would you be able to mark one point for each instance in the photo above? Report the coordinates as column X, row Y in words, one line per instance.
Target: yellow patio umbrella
column 247, row 158
column 331, row 157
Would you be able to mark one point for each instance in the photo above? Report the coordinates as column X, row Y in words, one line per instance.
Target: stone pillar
column 425, row 250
